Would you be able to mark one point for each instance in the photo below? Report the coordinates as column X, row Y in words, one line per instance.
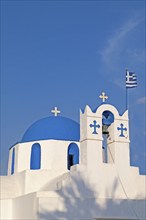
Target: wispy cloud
column 141, row 100
column 114, row 52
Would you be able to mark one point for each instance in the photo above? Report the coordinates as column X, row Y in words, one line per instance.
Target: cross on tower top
column 55, row 111
column 103, row 97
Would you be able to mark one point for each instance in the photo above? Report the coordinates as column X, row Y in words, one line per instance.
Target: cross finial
column 55, row 111
column 103, row 97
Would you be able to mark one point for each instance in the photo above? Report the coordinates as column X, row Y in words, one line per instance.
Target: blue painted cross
column 121, row 129
column 94, row 125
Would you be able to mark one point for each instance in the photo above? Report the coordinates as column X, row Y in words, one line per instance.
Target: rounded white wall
column 53, row 155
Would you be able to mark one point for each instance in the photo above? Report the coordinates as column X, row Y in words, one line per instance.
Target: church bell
column 105, row 129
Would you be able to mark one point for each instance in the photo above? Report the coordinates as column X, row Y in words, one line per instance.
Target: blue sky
column 64, row 54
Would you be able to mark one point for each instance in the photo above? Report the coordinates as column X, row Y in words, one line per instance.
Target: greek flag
column 131, row 80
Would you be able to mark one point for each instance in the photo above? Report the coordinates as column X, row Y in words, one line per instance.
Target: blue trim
column 13, row 161
column 73, row 151
column 35, row 160
column 14, row 145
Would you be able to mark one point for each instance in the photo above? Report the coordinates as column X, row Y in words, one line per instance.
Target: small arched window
column 13, row 161
column 35, row 159
column 73, row 155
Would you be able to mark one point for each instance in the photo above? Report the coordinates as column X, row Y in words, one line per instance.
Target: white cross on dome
column 55, row 111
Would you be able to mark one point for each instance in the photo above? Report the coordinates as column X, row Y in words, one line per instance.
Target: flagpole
column 126, row 98
column 126, row 93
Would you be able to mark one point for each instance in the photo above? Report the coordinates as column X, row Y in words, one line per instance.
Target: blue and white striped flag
column 131, row 80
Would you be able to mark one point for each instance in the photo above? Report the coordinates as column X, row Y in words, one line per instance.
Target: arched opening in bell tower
column 107, row 120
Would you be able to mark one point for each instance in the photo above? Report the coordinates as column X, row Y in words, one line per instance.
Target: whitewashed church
column 62, row 170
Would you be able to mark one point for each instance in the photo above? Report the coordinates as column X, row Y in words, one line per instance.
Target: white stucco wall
column 54, row 206
column 53, row 155
column 6, row 209
column 25, row 207
column 10, row 187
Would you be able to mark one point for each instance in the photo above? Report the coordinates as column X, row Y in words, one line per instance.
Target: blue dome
column 57, row 128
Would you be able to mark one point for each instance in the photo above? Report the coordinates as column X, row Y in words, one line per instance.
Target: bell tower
column 90, row 138
column 94, row 125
